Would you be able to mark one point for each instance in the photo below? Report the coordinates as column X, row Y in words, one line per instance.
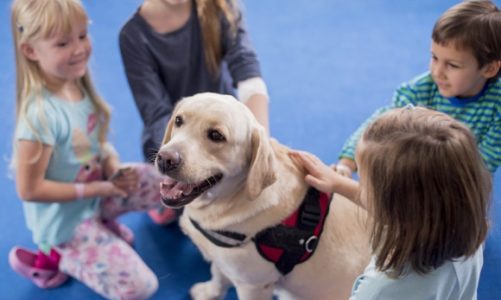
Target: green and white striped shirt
column 481, row 113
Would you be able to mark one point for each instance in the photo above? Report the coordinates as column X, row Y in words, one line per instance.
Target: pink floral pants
column 103, row 261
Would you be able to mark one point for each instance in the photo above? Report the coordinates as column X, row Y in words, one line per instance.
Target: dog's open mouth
column 177, row 194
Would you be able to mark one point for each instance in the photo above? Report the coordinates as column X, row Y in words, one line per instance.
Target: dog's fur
column 260, row 187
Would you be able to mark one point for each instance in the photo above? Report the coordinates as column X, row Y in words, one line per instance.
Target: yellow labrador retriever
column 249, row 211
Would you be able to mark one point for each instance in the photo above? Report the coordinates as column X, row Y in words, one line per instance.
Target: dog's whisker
column 151, row 154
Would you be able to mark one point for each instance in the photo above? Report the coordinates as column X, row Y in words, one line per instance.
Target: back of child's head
column 423, row 179
column 472, row 25
column 33, row 20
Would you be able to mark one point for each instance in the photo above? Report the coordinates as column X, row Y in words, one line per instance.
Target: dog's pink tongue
column 170, row 188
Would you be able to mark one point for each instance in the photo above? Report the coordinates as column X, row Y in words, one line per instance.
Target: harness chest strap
column 287, row 244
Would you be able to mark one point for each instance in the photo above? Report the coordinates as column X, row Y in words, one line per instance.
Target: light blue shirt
column 71, row 128
column 454, row 280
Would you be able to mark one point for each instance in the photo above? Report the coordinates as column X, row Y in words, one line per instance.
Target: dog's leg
column 213, row 289
column 254, row 292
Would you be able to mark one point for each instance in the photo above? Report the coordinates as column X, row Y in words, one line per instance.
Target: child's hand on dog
column 320, row 176
column 324, row 178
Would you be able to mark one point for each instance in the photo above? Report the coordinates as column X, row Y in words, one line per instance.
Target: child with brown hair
column 427, row 192
column 463, row 79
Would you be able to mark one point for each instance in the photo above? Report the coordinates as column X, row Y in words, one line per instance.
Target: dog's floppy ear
column 168, row 131
column 262, row 167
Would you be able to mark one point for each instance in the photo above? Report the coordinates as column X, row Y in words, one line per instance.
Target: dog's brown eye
column 178, row 121
column 215, row 136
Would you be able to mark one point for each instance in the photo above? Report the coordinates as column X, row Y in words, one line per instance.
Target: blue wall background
column 328, row 65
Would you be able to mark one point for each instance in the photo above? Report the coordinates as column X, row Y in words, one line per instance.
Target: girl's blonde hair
column 209, row 14
column 427, row 187
column 40, row 19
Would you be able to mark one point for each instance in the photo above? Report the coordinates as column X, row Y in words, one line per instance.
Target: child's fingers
column 305, row 159
column 122, row 172
column 316, row 183
column 129, row 183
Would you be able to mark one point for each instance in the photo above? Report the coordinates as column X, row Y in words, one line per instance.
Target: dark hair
column 474, row 25
column 427, row 188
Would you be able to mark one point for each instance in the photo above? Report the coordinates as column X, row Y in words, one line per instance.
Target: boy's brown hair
column 427, row 188
column 472, row 25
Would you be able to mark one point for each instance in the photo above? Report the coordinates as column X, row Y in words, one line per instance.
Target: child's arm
column 254, row 94
column 31, row 165
column 404, row 95
column 324, row 178
column 258, row 104
column 347, row 156
column 490, row 146
column 151, row 96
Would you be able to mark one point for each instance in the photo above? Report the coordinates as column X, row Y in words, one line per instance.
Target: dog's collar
column 287, row 244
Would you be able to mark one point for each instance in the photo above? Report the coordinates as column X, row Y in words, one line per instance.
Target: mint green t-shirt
column 71, row 128
column 454, row 280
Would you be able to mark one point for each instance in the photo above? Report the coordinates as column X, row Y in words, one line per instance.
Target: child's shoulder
column 39, row 103
column 421, row 84
column 423, row 79
column 495, row 86
column 493, row 94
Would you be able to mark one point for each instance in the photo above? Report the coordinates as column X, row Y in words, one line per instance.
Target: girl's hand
column 105, row 189
column 320, row 176
column 125, row 178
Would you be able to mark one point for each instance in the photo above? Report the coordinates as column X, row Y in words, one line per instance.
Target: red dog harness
column 287, row 244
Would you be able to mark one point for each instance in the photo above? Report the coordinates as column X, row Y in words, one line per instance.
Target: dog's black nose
column 168, row 161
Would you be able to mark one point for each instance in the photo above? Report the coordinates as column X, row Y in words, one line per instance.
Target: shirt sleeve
column 404, row 95
column 490, row 146
column 238, row 52
column 39, row 124
column 150, row 95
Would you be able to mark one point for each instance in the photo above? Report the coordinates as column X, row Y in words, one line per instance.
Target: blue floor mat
column 328, row 65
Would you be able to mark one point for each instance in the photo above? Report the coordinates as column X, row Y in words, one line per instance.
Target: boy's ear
column 28, row 51
column 491, row 69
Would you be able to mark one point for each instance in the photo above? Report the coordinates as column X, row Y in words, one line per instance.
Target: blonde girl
column 70, row 179
column 427, row 189
column 188, row 47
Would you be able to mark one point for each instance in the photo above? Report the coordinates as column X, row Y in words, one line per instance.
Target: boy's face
column 456, row 72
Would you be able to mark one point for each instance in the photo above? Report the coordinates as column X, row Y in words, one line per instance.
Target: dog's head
column 213, row 147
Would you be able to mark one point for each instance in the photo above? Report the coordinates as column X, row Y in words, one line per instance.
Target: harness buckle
column 311, row 243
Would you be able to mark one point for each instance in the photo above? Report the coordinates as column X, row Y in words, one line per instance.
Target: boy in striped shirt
column 463, row 79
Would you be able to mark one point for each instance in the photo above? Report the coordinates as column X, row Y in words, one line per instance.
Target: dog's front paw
column 206, row 291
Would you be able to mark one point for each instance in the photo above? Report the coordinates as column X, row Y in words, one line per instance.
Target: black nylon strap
column 211, row 236
column 310, row 211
